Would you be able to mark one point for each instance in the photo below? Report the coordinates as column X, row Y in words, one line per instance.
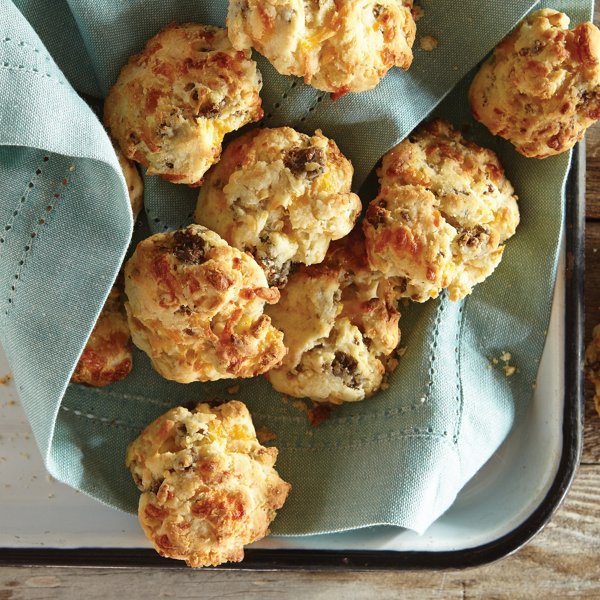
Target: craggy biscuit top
column 135, row 185
column 541, row 88
column 443, row 213
column 340, row 322
column 173, row 103
column 592, row 359
column 195, row 306
column 106, row 357
column 281, row 195
column 338, row 46
column 208, row 487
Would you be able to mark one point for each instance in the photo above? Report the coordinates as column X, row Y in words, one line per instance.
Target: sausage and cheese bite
column 541, row 88
column 280, row 195
column 173, row 103
column 195, row 306
column 338, row 46
column 340, row 323
column 443, row 213
column 106, row 357
column 592, row 359
column 135, row 185
column 208, row 487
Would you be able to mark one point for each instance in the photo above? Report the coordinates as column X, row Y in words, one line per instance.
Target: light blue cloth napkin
column 399, row 458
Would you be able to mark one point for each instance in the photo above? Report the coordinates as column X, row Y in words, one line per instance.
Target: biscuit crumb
column 385, row 385
column 5, row 379
column 401, row 351
column 319, row 413
column 264, row 435
column 509, row 370
column 506, row 356
column 428, row 43
column 417, row 12
column 300, row 405
column 233, row 389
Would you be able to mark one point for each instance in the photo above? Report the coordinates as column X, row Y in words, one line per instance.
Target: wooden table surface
column 563, row 560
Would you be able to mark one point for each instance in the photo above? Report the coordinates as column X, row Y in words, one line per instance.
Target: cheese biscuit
column 541, row 88
column 340, row 323
column 337, row 46
column 208, row 487
column 280, row 195
column 444, row 210
column 195, row 306
column 173, row 103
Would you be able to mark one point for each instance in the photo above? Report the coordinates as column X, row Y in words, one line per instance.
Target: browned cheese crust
column 195, row 306
column 443, row 213
column 541, row 88
column 173, row 103
column 106, row 357
column 208, row 487
column 135, row 185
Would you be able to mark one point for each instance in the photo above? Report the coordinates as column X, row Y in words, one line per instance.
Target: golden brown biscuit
column 173, row 103
column 282, row 196
column 541, row 88
column 340, row 323
column 208, row 487
column 106, row 357
column 592, row 359
column 195, row 306
column 135, row 185
column 443, row 213
column 338, row 46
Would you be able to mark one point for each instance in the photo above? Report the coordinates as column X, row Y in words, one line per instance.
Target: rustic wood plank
column 593, row 172
column 591, row 436
column 561, row 561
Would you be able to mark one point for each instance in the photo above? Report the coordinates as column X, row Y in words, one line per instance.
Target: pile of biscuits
column 278, row 277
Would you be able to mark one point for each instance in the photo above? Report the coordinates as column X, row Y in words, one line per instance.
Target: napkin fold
column 398, row 458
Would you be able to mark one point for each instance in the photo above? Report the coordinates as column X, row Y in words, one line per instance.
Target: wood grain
column 561, row 561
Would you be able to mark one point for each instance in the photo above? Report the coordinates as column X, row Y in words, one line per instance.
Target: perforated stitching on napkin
column 42, row 221
column 120, row 395
column 24, row 44
column 19, row 205
column 459, row 388
column 104, row 420
column 166, row 226
column 33, row 70
column 371, row 440
column 357, row 443
column 316, row 103
column 277, row 105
